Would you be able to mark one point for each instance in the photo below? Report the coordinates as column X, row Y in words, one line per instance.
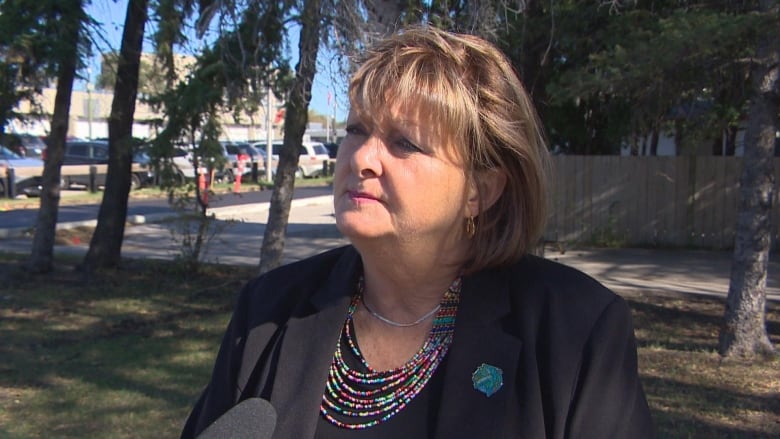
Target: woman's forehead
column 396, row 113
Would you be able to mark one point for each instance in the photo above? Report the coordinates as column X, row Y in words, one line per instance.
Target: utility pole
column 269, row 135
column 327, row 127
column 89, row 102
column 333, row 125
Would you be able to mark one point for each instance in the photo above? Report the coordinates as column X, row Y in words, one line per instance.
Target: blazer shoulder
column 541, row 283
column 293, row 285
column 312, row 268
column 537, row 270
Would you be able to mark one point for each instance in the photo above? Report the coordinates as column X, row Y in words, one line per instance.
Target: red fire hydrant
column 240, row 166
column 204, row 184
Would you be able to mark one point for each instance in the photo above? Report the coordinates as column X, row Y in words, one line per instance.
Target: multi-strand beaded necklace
column 356, row 400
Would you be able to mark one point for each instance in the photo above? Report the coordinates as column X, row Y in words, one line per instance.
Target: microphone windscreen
column 251, row 418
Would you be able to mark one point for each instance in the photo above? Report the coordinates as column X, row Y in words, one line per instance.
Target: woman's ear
column 484, row 189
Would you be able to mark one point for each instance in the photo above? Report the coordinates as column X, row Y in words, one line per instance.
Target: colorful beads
column 364, row 399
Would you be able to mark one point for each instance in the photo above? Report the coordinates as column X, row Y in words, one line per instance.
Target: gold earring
column 471, row 228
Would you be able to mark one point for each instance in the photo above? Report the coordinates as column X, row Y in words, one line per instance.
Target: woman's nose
column 366, row 157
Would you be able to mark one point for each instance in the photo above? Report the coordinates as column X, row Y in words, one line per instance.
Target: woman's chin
column 360, row 232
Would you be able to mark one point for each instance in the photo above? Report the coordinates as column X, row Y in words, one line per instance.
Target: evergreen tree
column 105, row 247
column 61, row 29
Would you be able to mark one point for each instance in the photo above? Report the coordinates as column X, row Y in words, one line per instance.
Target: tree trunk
column 679, row 138
column 654, row 142
column 296, row 115
column 106, row 244
column 42, row 257
column 717, row 146
column 731, row 140
column 533, row 59
column 744, row 328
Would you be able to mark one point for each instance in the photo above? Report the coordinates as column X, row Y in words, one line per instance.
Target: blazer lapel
column 479, row 338
column 307, row 349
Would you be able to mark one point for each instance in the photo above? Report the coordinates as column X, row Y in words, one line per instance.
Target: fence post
column 10, row 190
column 92, row 178
column 328, row 168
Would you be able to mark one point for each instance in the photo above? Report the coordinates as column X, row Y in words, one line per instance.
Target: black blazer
column 564, row 342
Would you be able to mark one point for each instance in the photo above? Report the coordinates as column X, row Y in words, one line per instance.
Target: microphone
column 251, row 418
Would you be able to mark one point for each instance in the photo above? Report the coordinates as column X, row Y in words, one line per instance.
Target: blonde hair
column 472, row 92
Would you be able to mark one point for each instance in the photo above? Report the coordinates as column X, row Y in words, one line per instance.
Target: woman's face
column 401, row 180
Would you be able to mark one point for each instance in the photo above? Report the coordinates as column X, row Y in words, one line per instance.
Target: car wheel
column 135, row 182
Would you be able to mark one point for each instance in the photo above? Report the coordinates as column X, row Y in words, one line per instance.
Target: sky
column 111, row 15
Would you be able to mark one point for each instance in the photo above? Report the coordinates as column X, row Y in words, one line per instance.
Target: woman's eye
column 355, row 130
column 407, row 146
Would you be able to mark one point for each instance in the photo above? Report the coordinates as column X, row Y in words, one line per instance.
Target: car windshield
column 141, row 157
column 30, row 141
column 319, row 149
column 7, row 154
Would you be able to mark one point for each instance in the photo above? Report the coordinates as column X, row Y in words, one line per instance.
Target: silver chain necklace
column 398, row 324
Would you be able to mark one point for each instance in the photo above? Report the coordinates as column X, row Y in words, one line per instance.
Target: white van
column 312, row 157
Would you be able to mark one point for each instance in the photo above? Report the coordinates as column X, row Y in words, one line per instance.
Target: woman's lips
column 361, row 196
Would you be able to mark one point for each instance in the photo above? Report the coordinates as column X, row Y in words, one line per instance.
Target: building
column 90, row 109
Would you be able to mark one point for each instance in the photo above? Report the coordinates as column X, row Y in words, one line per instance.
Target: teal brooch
column 487, row 379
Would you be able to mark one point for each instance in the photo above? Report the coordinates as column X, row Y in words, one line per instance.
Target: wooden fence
column 649, row 201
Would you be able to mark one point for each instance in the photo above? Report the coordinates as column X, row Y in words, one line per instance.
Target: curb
column 232, row 211
column 218, row 212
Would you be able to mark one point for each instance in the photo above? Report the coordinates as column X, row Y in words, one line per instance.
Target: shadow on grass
column 85, row 358
column 697, row 411
column 694, row 393
column 675, row 425
column 688, row 323
column 127, row 353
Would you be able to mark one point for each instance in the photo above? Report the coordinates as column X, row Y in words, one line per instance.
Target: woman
column 435, row 322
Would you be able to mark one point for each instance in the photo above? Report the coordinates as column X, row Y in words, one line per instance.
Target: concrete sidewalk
column 312, row 230
column 669, row 271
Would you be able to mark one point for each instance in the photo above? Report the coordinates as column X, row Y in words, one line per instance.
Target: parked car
column 182, row 160
column 80, row 155
column 232, row 151
column 25, row 145
column 313, row 155
column 256, row 156
column 225, row 173
column 259, row 149
column 333, row 149
column 28, row 173
column 311, row 159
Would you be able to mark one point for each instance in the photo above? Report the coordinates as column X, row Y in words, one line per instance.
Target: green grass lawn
column 124, row 355
column 119, row 356
column 83, row 196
